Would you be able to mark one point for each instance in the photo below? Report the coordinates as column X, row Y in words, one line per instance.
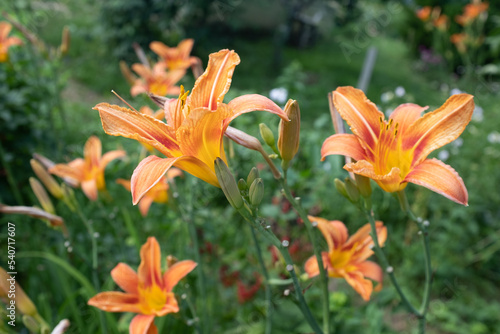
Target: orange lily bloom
column 347, row 256
column 175, row 58
column 441, row 22
column 159, row 114
column 158, row 193
column 471, row 12
column 394, row 152
column 158, row 80
column 147, row 292
column 424, row 13
column 192, row 137
column 6, row 42
column 89, row 171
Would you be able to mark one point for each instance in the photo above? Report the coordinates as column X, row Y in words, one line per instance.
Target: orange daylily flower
column 159, row 114
column 175, row 58
column 459, row 40
column 424, row 13
column 441, row 22
column 192, row 137
column 471, row 12
column 89, row 171
column 6, row 42
column 347, row 256
column 158, row 193
column 147, row 292
column 157, row 81
column 394, row 152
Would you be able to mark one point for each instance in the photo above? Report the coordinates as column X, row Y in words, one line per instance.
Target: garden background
column 302, row 50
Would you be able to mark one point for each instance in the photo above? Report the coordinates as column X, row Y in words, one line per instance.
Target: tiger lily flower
column 88, row 172
column 176, row 58
column 6, row 42
column 471, row 12
column 192, row 137
column 424, row 13
column 158, row 193
column 157, row 80
column 159, row 114
column 347, row 256
column 394, row 152
column 147, row 292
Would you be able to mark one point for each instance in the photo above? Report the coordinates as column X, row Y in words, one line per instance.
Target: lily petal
column 360, row 284
column 176, row 272
column 143, row 324
column 110, row 156
column 149, row 271
column 89, row 188
column 201, row 134
column 439, row 127
column 334, row 231
column 343, row 144
column 311, row 266
column 92, row 151
column 145, row 204
column 124, row 122
column 68, row 171
column 390, row 182
column 113, row 301
column 373, row 271
column 360, row 113
column 406, row 114
column 254, row 102
column 125, row 277
column 363, row 241
column 440, row 178
column 210, row 88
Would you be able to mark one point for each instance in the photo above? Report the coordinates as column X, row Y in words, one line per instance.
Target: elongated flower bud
column 256, row 192
column 23, row 302
column 352, row 190
column 65, row 40
column 267, row 135
column 254, row 174
column 364, row 185
column 243, row 139
column 242, row 185
column 289, row 133
column 41, row 195
column 48, row 181
column 341, row 188
column 228, row 184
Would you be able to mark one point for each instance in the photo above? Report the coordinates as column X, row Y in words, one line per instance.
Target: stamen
column 118, row 96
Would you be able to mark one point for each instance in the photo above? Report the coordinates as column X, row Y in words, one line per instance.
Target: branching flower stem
column 317, row 252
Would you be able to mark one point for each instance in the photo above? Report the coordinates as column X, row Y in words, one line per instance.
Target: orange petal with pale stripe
column 124, row 122
column 390, row 182
column 360, row 113
column 199, row 169
column 210, row 88
column 145, row 204
column 125, row 277
column 440, row 178
column 177, row 272
column 113, row 301
column 363, row 241
column 143, row 324
column 149, row 271
column 254, row 102
column 68, row 171
column 406, row 114
column 439, row 127
column 202, row 132
column 343, row 144
column 372, row 271
column 311, row 266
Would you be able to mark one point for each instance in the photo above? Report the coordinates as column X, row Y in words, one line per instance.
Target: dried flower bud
column 171, row 260
column 289, row 133
column 41, row 195
column 267, row 134
column 256, row 192
column 228, row 184
column 48, row 181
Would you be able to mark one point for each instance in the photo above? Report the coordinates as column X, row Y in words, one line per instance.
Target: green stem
column 10, row 178
column 385, row 264
column 131, row 228
column 269, row 305
column 256, row 223
column 90, row 231
column 423, row 230
column 317, row 252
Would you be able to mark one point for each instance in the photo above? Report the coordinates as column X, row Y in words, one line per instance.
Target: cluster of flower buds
column 355, row 189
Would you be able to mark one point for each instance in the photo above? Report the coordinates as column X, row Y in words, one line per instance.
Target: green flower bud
column 352, row 190
column 341, row 188
column 267, row 134
column 254, row 174
column 256, row 192
column 242, row 185
column 228, row 184
column 364, row 185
